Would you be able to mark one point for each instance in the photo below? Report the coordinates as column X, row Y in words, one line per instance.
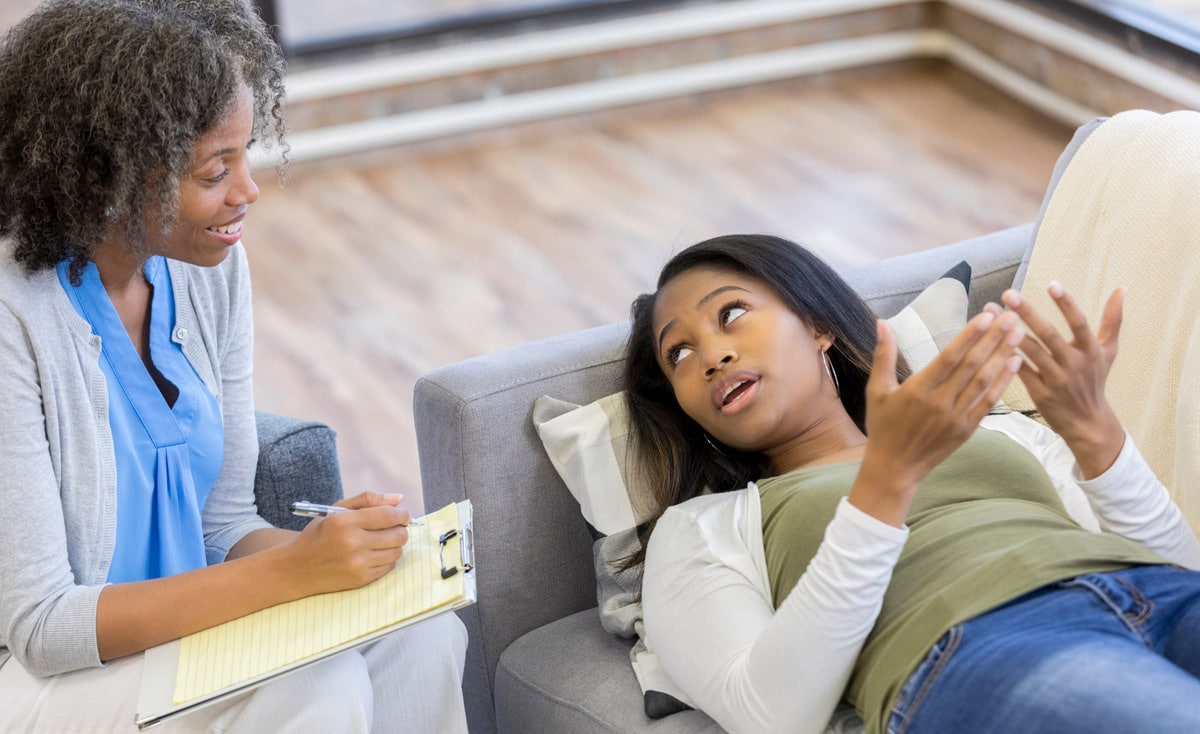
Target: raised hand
column 1066, row 379
column 912, row 427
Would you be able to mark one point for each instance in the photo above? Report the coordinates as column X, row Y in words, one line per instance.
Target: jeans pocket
column 919, row 683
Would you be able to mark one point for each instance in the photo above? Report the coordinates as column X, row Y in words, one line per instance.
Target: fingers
column 1076, row 319
column 376, row 511
column 379, row 517
column 394, row 537
column 987, row 366
column 355, row 548
column 1077, row 322
column 370, row 565
column 949, row 359
column 374, row 557
column 377, row 527
column 985, row 337
column 883, row 366
column 993, row 382
column 359, row 547
column 1038, row 325
column 1053, row 352
column 1110, row 321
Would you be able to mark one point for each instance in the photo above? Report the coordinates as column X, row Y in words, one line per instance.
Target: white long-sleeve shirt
column 707, row 598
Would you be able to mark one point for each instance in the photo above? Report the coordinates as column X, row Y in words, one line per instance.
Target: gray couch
column 538, row 659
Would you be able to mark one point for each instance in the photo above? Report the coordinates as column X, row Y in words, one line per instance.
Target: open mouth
column 736, row 390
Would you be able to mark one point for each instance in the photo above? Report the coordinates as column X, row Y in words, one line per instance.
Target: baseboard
column 576, row 99
column 696, row 78
column 644, row 30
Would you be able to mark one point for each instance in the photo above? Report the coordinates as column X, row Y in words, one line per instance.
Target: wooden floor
column 370, row 273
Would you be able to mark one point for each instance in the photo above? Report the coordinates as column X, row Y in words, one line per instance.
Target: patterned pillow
column 588, row 445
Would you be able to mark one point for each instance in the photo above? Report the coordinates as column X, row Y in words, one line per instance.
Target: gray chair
column 297, row 460
column 538, row 659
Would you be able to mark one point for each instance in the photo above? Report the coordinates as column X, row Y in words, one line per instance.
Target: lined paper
column 252, row 646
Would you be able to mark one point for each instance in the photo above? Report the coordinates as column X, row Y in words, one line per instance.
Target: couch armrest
column 297, row 460
column 476, row 441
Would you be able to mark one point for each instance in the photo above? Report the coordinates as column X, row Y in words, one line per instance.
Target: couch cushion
column 572, row 676
column 542, row 687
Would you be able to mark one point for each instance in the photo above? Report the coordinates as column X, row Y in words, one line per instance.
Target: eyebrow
column 221, row 154
column 699, row 304
column 216, row 154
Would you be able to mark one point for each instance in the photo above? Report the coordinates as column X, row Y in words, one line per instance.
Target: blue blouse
column 167, row 456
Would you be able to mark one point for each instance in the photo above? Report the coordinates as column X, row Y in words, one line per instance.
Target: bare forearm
column 885, row 490
column 259, row 540
column 1095, row 444
column 267, row 567
column 132, row 617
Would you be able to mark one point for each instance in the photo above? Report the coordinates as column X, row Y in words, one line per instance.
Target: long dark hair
column 675, row 458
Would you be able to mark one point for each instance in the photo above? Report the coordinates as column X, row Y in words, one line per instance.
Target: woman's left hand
column 1066, row 379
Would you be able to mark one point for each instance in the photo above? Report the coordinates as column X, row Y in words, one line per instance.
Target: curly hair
column 677, row 460
column 100, row 104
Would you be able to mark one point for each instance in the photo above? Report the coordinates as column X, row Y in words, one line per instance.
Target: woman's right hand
column 914, row 426
column 351, row 549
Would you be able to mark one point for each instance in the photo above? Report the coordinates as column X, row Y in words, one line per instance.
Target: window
column 310, row 27
column 1160, row 27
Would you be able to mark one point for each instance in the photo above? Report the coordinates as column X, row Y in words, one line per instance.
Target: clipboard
column 438, row 566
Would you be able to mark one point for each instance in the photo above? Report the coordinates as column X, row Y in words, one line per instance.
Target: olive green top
column 986, row 526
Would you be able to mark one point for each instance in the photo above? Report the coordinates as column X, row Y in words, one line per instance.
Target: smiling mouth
column 227, row 228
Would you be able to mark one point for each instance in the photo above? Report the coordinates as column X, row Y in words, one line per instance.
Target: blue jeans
column 1108, row 652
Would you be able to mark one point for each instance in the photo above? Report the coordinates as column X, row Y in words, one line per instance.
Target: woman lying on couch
column 865, row 537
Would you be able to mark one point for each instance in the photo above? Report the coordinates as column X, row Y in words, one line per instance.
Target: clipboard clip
column 465, row 545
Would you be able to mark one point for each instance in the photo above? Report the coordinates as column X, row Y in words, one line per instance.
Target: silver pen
column 313, row 509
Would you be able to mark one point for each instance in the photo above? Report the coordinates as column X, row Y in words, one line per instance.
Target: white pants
column 409, row 681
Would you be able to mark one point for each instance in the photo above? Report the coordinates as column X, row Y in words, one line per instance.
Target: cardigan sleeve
column 47, row 614
column 750, row 667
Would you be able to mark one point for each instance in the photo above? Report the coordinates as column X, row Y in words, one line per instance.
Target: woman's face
column 215, row 191
column 742, row 364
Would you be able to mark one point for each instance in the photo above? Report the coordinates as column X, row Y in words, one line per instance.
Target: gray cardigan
column 57, row 467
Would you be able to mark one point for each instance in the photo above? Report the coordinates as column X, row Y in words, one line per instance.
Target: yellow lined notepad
column 252, row 646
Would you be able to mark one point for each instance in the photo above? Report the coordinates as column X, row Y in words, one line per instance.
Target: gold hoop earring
column 832, row 373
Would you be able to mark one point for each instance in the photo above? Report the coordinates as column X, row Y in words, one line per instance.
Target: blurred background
column 467, row 175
